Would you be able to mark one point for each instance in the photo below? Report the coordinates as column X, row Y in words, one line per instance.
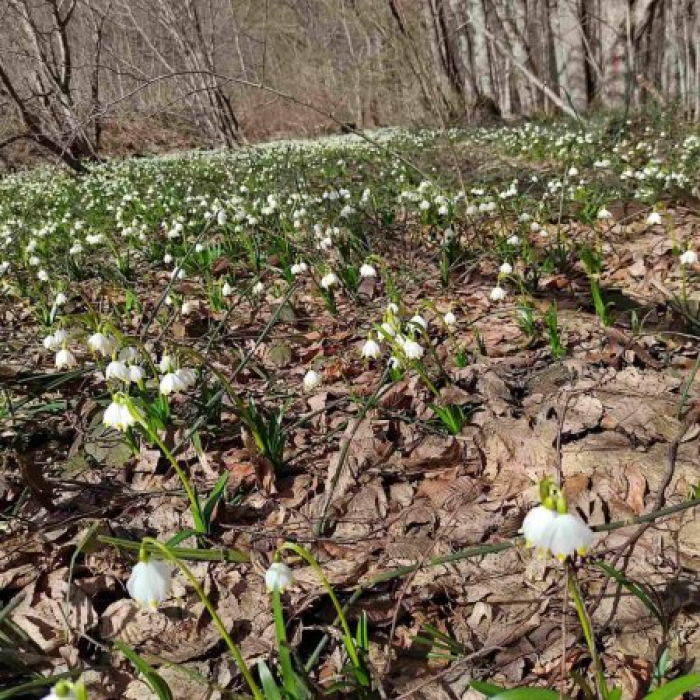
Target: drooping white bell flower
column 368, row 270
column 565, row 535
column 226, row 290
column 690, row 257
column 513, row 240
column 389, row 328
column 371, row 349
column 60, row 336
column 136, row 374
column 604, row 214
column 413, row 350
column 187, row 376
column 329, row 280
column 654, row 218
column 258, row 288
column 418, row 320
column 166, row 363
column 186, row 308
column 171, row 383
column 535, row 525
column 117, row 415
column 117, row 369
column 150, row 582
column 299, row 268
column 278, row 577
column 312, row 380
column 221, row 217
column 506, row 268
column 101, row 344
column 50, row 342
column 65, row 359
column 498, row 294
column 449, row 318
column 129, row 354
column 60, row 299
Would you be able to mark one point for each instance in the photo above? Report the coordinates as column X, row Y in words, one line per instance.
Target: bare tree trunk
column 571, row 62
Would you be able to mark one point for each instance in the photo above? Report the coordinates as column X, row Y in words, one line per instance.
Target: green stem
column 225, row 555
column 587, row 627
column 238, row 658
column 308, row 557
column 194, row 501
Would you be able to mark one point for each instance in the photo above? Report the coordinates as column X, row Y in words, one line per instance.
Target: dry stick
column 345, row 450
column 407, row 583
column 448, row 671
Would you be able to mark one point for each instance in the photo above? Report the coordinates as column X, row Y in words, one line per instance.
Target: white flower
column 654, row 218
column 419, row 321
column 226, row 290
column 221, row 217
column 60, row 299
column 573, row 171
column 171, row 383
column 367, row 271
column 413, row 350
column 186, row 308
column 167, row 258
column 449, row 318
column 129, row 354
column 690, row 257
column 117, row 369
column 535, row 525
column 498, row 294
column 604, row 214
column 117, row 415
column 50, row 343
column 565, row 535
column 329, row 280
column 136, row 374
column 43, row 276
column 187, row 376
column 389, row 328
column 258, row 288
column 65, row 358
column 278, row 577
column 513, row 240
column 371, row 349
column 101, row 343
column 150, row 582
column 166, row 363
column 312, row 379
column 506, row 268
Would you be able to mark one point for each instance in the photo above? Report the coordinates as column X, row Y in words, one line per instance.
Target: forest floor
column 407, row 483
